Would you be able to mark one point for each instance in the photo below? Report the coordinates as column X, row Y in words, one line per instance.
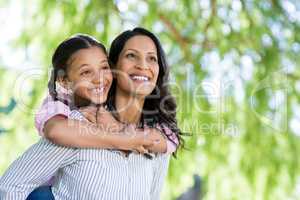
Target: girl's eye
column 106, row 67
column 86, row 72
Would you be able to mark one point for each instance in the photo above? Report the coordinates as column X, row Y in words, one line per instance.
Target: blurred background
column 234, row 72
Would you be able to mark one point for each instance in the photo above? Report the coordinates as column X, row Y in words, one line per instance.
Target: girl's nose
column 98, row 77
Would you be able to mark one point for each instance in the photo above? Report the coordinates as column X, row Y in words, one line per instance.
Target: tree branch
column 205, row 43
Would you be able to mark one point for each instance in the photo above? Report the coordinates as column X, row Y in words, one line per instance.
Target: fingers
column 141, row 150
column 89, row 116
column 130, row 130
column 89, row 113
column 101, row 110
column 146, row 131
column 152, row 143
column 147, row 142
column 105, row 117
column 91, row 109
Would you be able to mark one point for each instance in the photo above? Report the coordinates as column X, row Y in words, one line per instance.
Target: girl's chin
column 88, row 100
column 97, row 100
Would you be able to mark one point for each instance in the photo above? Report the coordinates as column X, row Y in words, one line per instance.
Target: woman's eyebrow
column 150, row 52
column 131, row 50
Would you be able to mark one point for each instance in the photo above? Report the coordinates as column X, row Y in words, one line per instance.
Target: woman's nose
column 142, row 64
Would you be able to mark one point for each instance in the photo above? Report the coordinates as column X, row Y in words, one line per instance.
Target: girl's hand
column 158, row 143
column 137, row 141
column 105, row 117
column 106, row 120
column 101, row 117
column 157, row 136
column 89, row 112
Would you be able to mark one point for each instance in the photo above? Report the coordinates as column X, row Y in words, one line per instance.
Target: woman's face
column 90, row 75
column 137, row 66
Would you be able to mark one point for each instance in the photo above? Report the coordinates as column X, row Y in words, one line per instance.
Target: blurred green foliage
column 234, row 72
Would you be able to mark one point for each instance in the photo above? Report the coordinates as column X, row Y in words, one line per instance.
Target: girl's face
column 89, row 74
column 137, row 66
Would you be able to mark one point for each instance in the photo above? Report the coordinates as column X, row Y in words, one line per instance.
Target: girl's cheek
column 108, row 74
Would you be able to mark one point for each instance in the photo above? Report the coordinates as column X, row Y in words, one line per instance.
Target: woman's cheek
column 124, row 83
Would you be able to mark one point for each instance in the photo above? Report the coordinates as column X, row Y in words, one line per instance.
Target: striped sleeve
column 160, row 171
column 76, row 115
column 34, row 168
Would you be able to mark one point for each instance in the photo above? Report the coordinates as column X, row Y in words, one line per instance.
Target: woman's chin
column 141, row 94
column 139, row 91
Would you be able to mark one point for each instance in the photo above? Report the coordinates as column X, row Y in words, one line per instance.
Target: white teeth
column 140, row 78
column 98, row 90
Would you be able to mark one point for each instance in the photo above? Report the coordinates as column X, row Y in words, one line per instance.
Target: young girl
column 72, row 157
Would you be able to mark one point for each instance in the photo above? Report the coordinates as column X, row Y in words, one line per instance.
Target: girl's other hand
column 89, row 112
column 160, row 142
column 104, row 116
column 106, row 119
column 135, row 142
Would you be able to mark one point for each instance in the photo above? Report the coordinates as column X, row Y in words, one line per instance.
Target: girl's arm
column 82, row 134
column 53, row 123
column 36, row 166
column 106, row 120
column 73, row 133
column 159, row 133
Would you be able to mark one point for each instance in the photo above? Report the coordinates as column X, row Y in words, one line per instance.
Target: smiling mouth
column 139, row 78
column 98, row 91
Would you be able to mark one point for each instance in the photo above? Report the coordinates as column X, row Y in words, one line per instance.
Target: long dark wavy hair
column 162, row 109
column 63, row 53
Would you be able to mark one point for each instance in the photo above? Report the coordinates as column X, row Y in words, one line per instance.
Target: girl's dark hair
column 162, row 108
column 63, row 53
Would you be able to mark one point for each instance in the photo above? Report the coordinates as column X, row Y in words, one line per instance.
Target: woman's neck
column 129, row 107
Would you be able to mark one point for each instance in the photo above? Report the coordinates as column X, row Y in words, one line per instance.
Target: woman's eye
column 153, row 59
column 130, row 55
